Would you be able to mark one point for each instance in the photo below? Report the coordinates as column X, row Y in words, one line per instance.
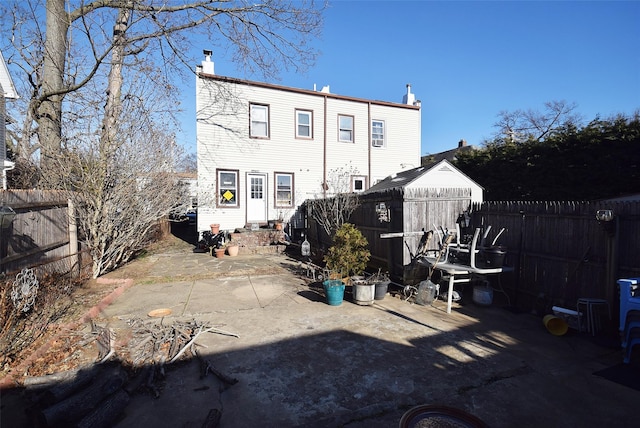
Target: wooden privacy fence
column 400, row 211
column 42, row 234
column 561, row 252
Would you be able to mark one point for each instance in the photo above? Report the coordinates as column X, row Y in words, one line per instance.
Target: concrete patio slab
column 300, row 362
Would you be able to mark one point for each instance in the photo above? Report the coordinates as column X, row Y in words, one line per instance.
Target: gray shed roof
column 439, row 176
column 398, row 180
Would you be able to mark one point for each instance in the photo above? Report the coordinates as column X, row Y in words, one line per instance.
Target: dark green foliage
column 349, row 254
column 600, row 160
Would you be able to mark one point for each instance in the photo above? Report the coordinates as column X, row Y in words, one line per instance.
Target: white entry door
column 256, row 198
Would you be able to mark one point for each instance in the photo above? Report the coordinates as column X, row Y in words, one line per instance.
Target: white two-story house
column 264, row 149
column 7, row 90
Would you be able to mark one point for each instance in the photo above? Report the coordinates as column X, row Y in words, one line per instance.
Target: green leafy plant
column 349, row 253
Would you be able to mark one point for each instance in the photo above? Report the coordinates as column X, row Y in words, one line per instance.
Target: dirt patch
column 66, row 345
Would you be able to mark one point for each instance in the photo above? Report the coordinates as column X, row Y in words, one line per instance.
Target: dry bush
column 21, row 329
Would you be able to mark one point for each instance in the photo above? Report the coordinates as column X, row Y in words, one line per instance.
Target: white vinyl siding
column 225, row 144
column 345, row 128
column 304, row 124
column 259, row 121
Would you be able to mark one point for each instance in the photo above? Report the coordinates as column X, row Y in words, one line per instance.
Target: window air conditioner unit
column 377, row 143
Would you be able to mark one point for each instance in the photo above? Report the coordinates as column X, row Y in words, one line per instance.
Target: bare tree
column 264, row 36
column 523, row 125
column 121, row 190
column 187, row 163
column 117, row 161
column 334, row 207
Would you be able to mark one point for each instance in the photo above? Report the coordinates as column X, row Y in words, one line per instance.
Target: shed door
column 256, row 198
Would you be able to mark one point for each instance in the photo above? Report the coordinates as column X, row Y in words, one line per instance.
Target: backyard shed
column 404, row 204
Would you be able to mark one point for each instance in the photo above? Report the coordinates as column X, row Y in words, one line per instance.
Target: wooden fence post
column 73, row 238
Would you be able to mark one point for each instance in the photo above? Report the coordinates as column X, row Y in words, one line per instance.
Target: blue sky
column 469, row 60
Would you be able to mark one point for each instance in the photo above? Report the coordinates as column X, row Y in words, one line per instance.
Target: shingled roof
column 399, row 180
column 450, row 155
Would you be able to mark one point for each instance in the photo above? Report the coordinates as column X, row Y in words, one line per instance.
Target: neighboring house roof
column 6, row 81
column 450, row 155
column 424, row 176
column 625, row 198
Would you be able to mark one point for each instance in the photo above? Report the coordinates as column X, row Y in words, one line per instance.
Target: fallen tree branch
column 207, row 367
column 213, row 419
column 218, row 331
column 185, row 347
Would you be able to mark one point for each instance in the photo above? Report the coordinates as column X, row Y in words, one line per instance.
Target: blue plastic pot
column 334, row 290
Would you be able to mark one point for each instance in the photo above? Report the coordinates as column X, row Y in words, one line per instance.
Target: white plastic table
column 454, row 269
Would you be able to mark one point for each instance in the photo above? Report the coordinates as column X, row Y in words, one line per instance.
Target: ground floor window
column 358, row 183
column 284, row 189
column 227, row 188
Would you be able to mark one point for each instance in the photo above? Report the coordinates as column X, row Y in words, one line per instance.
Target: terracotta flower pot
column 215, row 228
column 219, row 252
column 232, row 250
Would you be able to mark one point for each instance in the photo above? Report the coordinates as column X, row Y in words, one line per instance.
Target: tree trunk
column 62, row 384
column 107, row 411
column 113, row 106
column 109, row 140
column 81, row 403
column 49, row 110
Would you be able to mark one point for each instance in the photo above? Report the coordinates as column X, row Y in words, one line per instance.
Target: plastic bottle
column 426, row 293
column 306, row 248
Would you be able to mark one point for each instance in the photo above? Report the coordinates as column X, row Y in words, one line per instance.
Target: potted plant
column 232, row 249
column 348, row 255
column 334, row 290
column 381, row 283
column 363, row 290
column 219, row 252
column 281, row 220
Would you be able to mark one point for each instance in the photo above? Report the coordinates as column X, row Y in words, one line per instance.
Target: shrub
column 349, row 253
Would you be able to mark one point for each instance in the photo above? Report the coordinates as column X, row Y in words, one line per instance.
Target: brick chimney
column 207, row 64
column 462, row 143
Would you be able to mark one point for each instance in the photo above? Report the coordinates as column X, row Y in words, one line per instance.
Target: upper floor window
column 227, row 188
column 304, row 121
column 377, row 133
column 284, row 189
column 345, row 128
column 259, row 116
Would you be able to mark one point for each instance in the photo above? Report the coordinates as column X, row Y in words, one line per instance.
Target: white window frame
column 258, row 117
column 378, row 133
column 346, row 133
column 358, row 178
column 224, row 184
column 309, row 125
column 288, row 202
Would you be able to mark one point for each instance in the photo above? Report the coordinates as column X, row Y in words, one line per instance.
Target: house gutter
column 368, row 184
column 7, row 166
column 324, row 151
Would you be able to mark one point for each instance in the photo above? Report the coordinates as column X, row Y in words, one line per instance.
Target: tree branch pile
column 96, row 395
